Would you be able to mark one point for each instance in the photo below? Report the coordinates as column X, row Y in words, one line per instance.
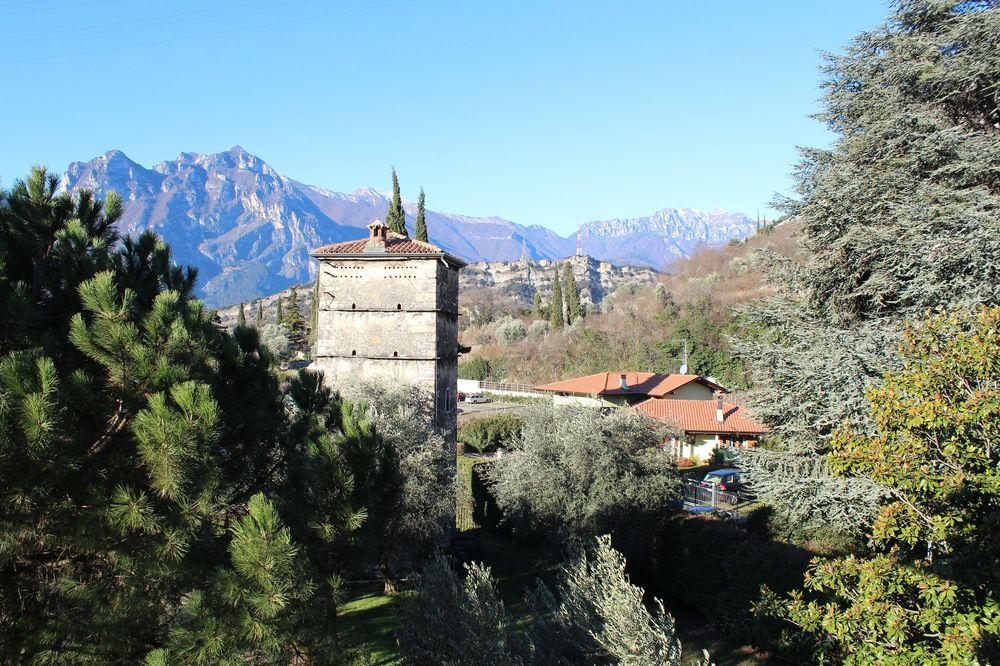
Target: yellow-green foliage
column 929, row 593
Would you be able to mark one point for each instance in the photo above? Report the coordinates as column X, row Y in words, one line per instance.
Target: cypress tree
column 421, row 218
column 295, row 325
column 571, row 293
column 279, row 313
column 556, row 308
column 241, row 317
column 395, row 218
column 259, row 317
column 536, row 307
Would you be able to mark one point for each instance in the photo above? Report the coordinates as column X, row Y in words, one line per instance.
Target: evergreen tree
column 395, row 218
column 258, row 318
column 929, row 592
column 279, row 312
column 136, row 438
column 898, row 217
column 421, row 226
column 571, row 293
column 292, row 320
column 241, row 316
column 536, row 305
column 556, row 306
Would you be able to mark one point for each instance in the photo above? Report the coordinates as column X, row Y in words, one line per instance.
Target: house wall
column 702, row 446
column 692, row 391
column 391, row 319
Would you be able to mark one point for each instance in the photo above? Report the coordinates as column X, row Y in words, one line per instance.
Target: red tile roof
column 638, row 383
column 698, row 416
column 394, row 244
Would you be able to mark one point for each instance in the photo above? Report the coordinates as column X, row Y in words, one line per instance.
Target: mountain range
column 248, row 229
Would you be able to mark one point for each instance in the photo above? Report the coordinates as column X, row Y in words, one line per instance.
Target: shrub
column 476, row 367
column 481, row 369
column 510, row 330
column 492, row 432
column 485, row 511
column 273, row 337
column 719, row 569
column 538, row 328
column 594, row 615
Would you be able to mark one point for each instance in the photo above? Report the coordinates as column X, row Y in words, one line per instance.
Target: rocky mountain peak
column 248, row 229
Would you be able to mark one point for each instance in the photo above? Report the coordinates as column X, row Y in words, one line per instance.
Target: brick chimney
column 720, row 414
column 376, row 237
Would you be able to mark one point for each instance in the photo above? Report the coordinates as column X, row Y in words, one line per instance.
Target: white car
column 476, row 398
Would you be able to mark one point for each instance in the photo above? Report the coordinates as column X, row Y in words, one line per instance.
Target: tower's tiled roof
column 394, row 244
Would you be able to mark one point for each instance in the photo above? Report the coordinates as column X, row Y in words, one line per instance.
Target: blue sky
column 545, row 113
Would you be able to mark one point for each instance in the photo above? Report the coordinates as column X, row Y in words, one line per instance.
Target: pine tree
column 571, row 293
column 241, row 317
column 132, row 430
column 258, row 318
column 395, row 218
column 556, row 306
column 421, row 226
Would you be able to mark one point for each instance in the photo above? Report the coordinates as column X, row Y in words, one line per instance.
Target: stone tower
column 388, row 310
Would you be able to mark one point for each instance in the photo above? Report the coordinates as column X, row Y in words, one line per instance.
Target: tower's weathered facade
column 388, row 310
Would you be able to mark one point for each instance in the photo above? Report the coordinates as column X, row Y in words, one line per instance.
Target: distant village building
column 388, row 310
column 694, row 404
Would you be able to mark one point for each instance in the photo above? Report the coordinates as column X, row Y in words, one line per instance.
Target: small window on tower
column 353, row 306
column 399, row 306
column 354, row 352
column 395, row 354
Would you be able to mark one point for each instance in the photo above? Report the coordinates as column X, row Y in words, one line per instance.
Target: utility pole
column 684, row 365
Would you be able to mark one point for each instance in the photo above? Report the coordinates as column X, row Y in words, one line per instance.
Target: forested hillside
column 637, row 327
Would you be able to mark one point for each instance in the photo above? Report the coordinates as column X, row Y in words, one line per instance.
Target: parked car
column 474, row 398
column 729, row 480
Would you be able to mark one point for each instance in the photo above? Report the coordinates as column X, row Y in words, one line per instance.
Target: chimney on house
column 376, row 237
column 623, row 381
column 720, row 414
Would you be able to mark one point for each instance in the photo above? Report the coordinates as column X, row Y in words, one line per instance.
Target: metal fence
column 487, row 385
column 710, row 495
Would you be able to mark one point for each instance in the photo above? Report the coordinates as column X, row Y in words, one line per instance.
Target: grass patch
column 367, row 627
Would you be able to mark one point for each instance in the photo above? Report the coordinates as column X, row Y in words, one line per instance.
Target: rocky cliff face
column 248, row 229
column 521, row 279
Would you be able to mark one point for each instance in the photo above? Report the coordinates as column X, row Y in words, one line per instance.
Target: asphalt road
column 469, row 411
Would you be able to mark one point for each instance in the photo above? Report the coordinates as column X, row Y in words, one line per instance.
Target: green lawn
column 367, row 624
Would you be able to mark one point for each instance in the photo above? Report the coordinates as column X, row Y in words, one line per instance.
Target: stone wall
column 391, row 319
